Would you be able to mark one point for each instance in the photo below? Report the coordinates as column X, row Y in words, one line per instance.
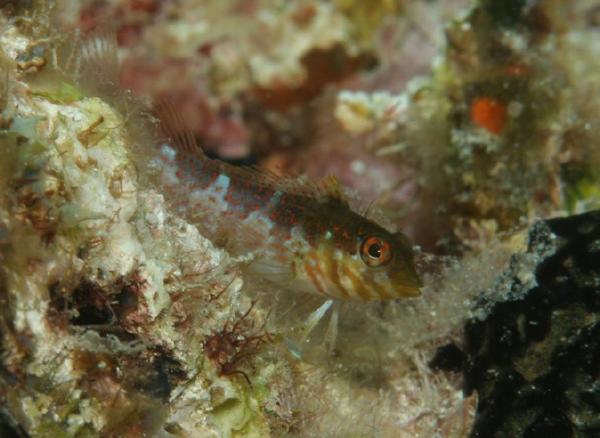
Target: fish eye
column 375, row 251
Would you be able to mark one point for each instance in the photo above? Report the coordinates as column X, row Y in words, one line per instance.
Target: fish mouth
column 408, row 291
column 409, row 285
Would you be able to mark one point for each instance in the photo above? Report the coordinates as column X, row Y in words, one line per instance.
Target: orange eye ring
column 375, row 251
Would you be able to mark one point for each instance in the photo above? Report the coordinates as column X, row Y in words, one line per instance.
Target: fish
column 303, row 235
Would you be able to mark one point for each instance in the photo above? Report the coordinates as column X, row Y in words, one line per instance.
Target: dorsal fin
column 174, row 129
column 330, row 187
column 89, row 60
column 326, row 189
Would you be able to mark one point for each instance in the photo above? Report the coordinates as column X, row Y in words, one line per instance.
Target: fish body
column 303, row 235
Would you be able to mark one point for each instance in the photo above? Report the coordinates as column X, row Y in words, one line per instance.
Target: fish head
column 364, row 261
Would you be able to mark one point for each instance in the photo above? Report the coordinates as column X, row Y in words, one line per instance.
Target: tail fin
column 89, row 60
column 98, row 60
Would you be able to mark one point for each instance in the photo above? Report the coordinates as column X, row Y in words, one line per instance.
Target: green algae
column 61, row 93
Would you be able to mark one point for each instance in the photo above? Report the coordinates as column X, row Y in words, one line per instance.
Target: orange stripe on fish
column 330, row 267
column 312, row 275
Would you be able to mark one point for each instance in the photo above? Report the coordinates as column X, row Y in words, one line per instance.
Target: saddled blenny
column 303, row 235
